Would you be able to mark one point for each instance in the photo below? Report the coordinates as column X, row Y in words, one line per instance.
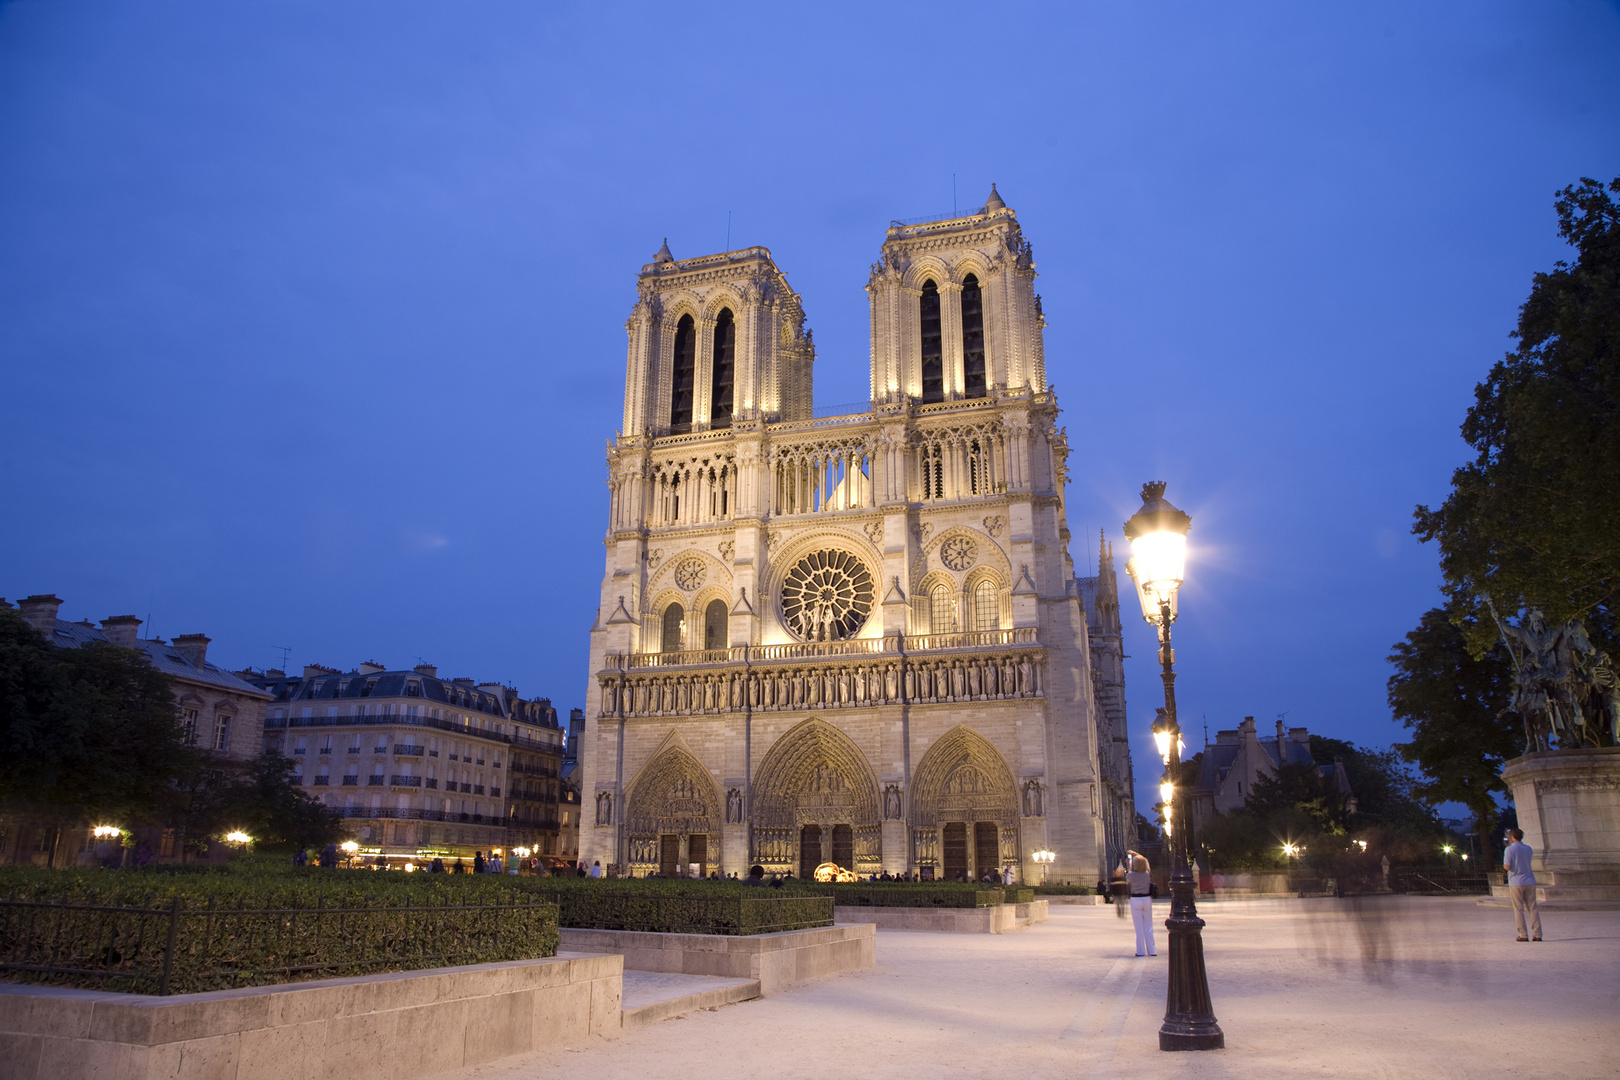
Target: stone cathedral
column 857, row 639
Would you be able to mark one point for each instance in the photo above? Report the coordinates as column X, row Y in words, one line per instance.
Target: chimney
column 194, row 647
column 427, row 669
column 40, row 612
column 121, row 630
column 313, row 670
column 1282, row 745
column 371, row 667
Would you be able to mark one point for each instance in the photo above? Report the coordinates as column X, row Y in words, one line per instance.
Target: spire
column 994, row 201
column 663, row 255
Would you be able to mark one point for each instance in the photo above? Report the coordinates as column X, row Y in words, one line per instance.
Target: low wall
column 1090, row 900
column 985, row 920
column 376, row 1027
column 1568, row 803
column 1033, row 912
column 777, row 961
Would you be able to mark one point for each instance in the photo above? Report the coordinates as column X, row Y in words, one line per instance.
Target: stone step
column 651, row 996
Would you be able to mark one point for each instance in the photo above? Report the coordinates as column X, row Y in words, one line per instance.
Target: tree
column 89, row 732
column 1454, row 703
column 1534, row 519
column 1385, row 791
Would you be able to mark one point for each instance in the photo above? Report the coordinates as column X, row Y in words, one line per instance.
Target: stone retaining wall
column 377, row 1027
column 777, row 961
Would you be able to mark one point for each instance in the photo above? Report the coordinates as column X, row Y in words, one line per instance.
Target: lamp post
column 1158, row 536
column 1045, row 858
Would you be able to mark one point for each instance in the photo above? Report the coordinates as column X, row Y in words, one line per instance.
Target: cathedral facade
column 857, row 639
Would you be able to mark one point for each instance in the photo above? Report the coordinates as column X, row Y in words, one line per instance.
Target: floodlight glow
column 238, row 837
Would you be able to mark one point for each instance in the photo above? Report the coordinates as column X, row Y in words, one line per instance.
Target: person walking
column 1521, row 885
column 1140, row 883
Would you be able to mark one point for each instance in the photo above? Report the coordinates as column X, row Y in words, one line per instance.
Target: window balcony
column 405, row 781
column 433, row 783
column 299, row 752
column 466, row 787
column 495, row 792
column 478, row 789
column 354, row 749
column 351, row 781
column 375, row 780
column 433, row 753
column 401, row 750
column 325, row 750
column 321, row 781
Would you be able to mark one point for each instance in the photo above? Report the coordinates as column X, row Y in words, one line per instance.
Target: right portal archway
column 964, row 809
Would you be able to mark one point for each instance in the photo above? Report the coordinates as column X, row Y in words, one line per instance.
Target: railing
column 324, row 750
column 322, row 781
column 601, row 907
column 405, row 781
column 183, row 949
column 411, row 813
column 464, row 730
column 817, row 650
column 351, row 781
column 375, row 779
column 432, row 783
column 408, row 751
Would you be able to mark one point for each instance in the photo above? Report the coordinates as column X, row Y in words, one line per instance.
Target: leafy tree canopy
column 1453, row 702
column 1534, row 519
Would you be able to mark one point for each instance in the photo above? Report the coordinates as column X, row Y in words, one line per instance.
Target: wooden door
column 955, row 845
column 697, row 851
column 809, row 850
column 843, row 846
column 986, row 849
column 669, row 855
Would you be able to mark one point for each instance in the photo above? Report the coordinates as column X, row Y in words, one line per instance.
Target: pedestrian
column 596, row 869
column 478, row 862
column 1140, row 883
column 1521, row 885
column 1119, row 892
column 461, row 867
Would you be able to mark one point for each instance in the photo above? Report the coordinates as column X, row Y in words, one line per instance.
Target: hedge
column 178, row 933
column 885, row 894
column 1062, row 890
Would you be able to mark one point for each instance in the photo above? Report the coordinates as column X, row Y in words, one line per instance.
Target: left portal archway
column 672, row 817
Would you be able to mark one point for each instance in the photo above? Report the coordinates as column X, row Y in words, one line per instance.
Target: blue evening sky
column 311, row 314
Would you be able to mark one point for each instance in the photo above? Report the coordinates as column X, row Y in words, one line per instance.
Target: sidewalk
column 1383, row 987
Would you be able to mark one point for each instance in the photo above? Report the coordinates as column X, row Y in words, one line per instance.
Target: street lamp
column 1158, row 536
column 1045, row 858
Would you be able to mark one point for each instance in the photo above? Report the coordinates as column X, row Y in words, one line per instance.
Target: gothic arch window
column 972, row 338
column 933, row 355
column 680, row 404
column 986, row 609
column 714, row 625
column 725, row 347
column 941, row 612
column 674, row 623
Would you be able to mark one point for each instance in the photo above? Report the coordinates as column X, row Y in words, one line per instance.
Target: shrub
column 1063, row 890
column 901, row 894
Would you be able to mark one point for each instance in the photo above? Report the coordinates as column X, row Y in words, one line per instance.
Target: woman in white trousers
column 1140, row 883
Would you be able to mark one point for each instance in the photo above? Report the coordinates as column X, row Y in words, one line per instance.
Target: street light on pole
column 1158, row 536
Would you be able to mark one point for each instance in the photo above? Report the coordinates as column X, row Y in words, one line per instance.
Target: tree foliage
column 1534, row 519
column 89, row 731
column 1454, row 703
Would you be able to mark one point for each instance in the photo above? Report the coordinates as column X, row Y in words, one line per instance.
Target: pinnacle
column 994, row 201
column 663, row 255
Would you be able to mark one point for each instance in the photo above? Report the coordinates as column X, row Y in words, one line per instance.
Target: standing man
column 1521, row 884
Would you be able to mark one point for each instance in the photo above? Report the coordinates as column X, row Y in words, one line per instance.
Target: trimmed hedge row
column 1062, row 890
column 886, row 894
column 610, row 908
column 184, row 933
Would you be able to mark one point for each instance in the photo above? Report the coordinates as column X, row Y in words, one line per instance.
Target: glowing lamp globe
column 1158, row 562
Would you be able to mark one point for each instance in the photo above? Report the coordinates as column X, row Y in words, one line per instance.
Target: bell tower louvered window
column 725, row 346
column 685, row 372
column 674, row 624
column 973, row 384
column 932, row 349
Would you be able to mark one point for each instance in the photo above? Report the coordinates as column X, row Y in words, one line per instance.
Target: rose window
column 958, row 552
column 827, row 596
column 689, row 575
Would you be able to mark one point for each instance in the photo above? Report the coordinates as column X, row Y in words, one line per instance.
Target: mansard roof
column 163, row 656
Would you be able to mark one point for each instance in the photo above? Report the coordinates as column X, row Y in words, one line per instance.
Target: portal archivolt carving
column 963, row 778
column 814, row 775
column 673, row 794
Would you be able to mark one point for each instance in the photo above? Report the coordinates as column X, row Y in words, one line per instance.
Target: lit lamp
column 1045, row 858
column 238, row 837
column 105, row 832
column 1158, row 564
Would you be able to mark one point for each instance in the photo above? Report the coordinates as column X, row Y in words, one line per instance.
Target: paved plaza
column 1382, row 987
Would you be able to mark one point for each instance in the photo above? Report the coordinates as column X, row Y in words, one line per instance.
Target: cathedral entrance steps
column 651, row 996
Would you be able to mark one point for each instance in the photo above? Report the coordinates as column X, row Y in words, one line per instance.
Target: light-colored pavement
column 1388, row 987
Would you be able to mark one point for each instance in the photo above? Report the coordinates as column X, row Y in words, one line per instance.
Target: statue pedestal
column 1568, row 802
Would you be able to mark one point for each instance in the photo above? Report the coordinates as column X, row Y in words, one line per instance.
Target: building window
column 973, row 384
column 725, row 344
column 674, row 624
column 680, row 405
column 222, row 732
column 714, row 625
column 933, row 367
column 941, row 612
column 986, row 614
column 188, row 725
